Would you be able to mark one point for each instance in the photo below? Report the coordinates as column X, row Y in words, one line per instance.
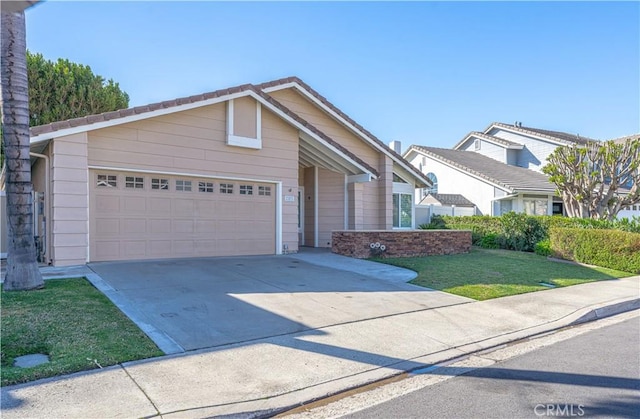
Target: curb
column 597, row 313
column 608, row 310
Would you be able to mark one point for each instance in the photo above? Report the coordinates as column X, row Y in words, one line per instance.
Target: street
column 596, row 374
column 588, row 370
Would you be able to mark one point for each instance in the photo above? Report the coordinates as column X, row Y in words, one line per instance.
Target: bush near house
column 613, row 249
column 517, row 231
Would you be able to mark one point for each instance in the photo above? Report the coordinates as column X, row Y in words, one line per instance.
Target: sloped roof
column 450, row 199
column 557, row 136
column 621, row 140
column 490, row 138
column 87, row 121
column 511, row 178
column 395, row 156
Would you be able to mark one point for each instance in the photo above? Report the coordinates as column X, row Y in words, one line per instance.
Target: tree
column 22, row 268
column 598, row 179
column 63, row 90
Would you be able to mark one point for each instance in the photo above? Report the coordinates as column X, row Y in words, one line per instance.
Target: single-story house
column 494, row 187
column 248, row 170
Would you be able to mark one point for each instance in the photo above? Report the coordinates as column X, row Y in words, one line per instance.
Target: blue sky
column 420, row 72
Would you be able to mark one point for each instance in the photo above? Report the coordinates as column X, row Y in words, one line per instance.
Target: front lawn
column 483, row 273
column 71, row 322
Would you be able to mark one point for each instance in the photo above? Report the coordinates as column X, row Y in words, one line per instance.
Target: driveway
column 208, row 302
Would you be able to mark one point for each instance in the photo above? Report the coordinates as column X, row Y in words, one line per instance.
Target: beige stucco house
column 253, row 169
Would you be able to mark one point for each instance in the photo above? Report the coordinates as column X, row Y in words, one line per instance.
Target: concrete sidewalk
column 265, row 376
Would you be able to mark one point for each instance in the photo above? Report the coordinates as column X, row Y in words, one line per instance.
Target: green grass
column 483, row 274
column 73, row 323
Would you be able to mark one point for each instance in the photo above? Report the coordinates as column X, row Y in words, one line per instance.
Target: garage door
column 143, row 216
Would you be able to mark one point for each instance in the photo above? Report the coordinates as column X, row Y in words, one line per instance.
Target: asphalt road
column 596, row 374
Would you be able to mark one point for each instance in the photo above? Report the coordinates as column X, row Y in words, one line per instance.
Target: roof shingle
column 512, row 178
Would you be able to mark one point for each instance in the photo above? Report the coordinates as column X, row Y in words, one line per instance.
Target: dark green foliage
column 543, row 248
column 613, row 249
column 520, row 232
column 63, row 90
column 437, row 223
column 489, row 241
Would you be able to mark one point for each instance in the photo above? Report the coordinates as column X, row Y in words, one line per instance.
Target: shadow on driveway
column 208, row 302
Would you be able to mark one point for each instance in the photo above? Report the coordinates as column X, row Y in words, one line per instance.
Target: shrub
column 437, row 223
column 613, row 249
column 489, row 241
column 520, row 232
column 543, row 247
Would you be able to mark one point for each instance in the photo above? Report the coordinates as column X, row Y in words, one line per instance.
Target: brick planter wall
column 400, row 243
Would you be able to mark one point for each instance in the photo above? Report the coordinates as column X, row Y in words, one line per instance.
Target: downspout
column 47, row 204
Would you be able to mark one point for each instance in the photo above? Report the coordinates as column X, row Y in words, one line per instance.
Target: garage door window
column 107, row 181
column 183, row 185
column 160, row 184
column 246, row 190
column 205, row 187
column 226, row 188
column 133, row 182
column 264, row 190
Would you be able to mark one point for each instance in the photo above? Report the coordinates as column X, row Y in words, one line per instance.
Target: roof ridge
column 544, row 133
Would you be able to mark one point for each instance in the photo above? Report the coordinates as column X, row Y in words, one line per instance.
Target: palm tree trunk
column 22, row 268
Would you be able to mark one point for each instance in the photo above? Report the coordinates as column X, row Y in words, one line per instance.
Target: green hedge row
column 613, row 249
column 517, row 231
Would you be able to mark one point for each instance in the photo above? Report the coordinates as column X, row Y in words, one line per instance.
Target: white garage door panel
column 146, row 223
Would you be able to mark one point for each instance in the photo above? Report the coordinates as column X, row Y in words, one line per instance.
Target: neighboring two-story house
column 498, row 169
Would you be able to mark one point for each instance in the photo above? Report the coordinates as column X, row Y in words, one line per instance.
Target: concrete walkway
column 267, row 375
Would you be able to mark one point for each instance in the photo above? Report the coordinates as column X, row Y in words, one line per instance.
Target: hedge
column 517, row 231
column 613, row 249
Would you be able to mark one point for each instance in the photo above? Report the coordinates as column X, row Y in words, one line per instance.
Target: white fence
column 425, row 212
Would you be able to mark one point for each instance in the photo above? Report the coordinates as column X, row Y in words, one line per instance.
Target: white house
column 494, row 187
column 499, row 169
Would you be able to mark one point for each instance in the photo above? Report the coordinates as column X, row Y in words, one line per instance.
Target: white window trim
column 239, row 141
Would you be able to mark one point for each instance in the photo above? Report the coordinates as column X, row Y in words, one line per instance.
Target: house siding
column 70, row 201
column 377, row 211
column 325, row 123
column 331, row 202
column 454, row 181
column 194, row 142
column 535, row 152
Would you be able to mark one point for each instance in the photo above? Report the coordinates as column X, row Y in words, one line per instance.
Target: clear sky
column 419, row 72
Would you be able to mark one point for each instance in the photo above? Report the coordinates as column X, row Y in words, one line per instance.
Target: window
column 535, row 206
column 506, row 206
column 134, row 182
column 246, row 190
column 477, row 144
column 434, row 179
column 183, row 185
column 402, row 210
column 107, row 181
column 226, row 188
column 264, row 190
column 161, row 184
column 205, row 187
column 398, row 179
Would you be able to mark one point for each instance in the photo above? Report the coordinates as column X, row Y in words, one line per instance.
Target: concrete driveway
column 208, row 302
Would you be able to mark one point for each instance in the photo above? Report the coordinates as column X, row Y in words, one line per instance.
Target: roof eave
column 309, row 93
